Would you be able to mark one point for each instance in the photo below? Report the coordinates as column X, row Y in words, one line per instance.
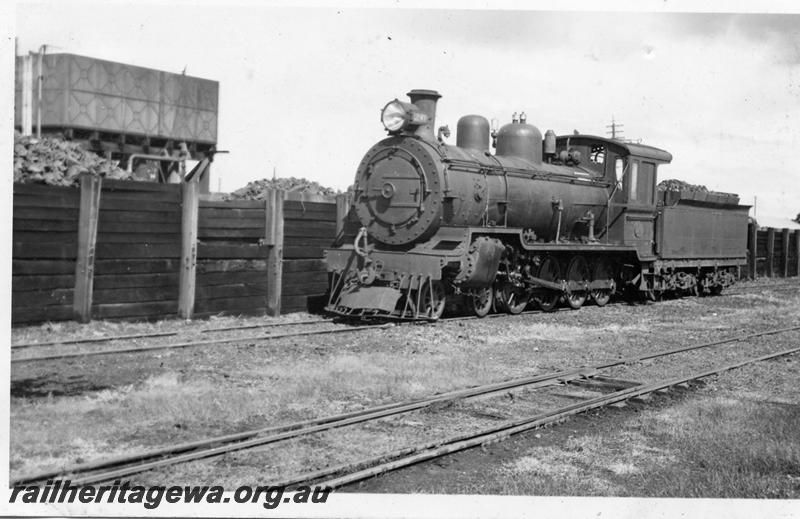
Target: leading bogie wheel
column 577, row 272
column 480, row 301
column 433, row 299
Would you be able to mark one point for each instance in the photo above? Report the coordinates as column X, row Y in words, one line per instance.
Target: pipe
column 590, row 217
column 27, row 94
column 558, row 205
column 362, row 235
column 608, row 201
column 164, row 158
column 42, row 50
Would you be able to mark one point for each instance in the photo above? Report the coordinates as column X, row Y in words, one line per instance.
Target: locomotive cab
column 631, row 171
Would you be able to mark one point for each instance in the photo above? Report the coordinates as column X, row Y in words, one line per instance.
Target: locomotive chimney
column 425, row 101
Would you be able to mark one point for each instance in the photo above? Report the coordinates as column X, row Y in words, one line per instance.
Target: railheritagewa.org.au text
column 59, row 491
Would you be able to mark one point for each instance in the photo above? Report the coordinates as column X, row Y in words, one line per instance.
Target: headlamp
column 397, row 116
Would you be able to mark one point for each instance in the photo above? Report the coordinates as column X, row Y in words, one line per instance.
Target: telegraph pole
column 615, row 132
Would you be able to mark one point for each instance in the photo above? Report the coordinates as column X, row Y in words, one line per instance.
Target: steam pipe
column 558, row 205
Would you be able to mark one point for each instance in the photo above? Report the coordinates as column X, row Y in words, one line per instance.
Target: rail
column 441, row 448
column 147, row 460
column 212, row 342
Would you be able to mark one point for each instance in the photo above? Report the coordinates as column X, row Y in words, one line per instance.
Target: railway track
column 198, row 343
column 783, row 287
column 364, row 469
column 123, row 466
column 213, row 342
column 173, row 333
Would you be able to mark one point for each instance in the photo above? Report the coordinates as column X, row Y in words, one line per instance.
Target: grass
column 715, row 447
column 179, row 405
column 735, row 448
column 79, row 428
column 196, row 393
column 170, row 407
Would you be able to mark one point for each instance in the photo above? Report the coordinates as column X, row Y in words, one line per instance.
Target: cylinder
column 519, row 140
column 425, row 101
column 472, row 132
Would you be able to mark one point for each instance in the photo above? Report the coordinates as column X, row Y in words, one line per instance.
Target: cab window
column 647, row 179
column 633, row 182
column 619, row 168
column 641, row 180
column 597, row 155
column 593, row 158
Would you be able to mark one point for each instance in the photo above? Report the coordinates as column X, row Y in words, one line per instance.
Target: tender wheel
column 577, row 272
column 549, row 271
column 514, row 299
column 602, row 272
column 433, row 299
column 481, row 300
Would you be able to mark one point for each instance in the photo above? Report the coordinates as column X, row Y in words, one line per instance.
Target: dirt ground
column 73, row 410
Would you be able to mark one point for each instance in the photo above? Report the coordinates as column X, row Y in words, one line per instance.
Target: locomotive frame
column 574, row 218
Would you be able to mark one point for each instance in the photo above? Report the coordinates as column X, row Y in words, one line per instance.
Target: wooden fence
column 134, row 250
column 45, row 230
column 773, row 252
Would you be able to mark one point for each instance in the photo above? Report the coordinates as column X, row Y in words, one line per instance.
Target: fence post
column 785, row 253
column 770, row 252
column 752, row 249
column 797, row 252
column 87, row 240
column 190, row 200
column 274, row 239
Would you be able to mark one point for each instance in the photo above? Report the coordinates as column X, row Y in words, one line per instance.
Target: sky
column 301, row 87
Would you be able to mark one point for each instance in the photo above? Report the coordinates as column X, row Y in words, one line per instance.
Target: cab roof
column 630, row 148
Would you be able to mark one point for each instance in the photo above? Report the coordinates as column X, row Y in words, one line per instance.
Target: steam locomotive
column 570, row 218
